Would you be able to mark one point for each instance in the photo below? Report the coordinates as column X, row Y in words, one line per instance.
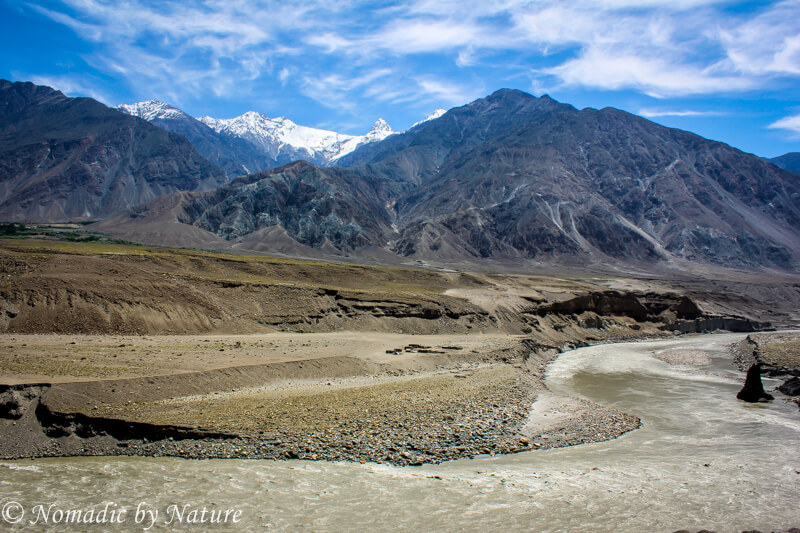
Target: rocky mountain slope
column 74, row 158
column 519, row 179
column 790, row 161
column 234, row 155
column 515, row 175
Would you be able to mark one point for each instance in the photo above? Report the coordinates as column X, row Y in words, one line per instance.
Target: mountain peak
column 379, row 130
column 436, row 114
column 507, row 94
column 151, row 110
column 380, row 125
column 517, row 97
column 75, row 158
column 28, row 93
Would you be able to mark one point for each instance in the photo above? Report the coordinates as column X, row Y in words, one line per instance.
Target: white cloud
column 70, row 86
column 410, row 36
column 175, row 49
column 450, row 94
column 791, row 123
column 647, row 112
column 466, row 57
column 329, row 50
column 661, row 52
column 334, row 90
column 602, row 68
column 766, row 44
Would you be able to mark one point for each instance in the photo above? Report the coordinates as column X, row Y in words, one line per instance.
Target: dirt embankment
column 778, row 353
column 48, row 287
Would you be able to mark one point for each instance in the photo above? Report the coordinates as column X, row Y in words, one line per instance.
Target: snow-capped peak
column 380, row 130
column 436, row 114
column 151, row 110
column 276, row 135
column 381, row 126
column 282, row 136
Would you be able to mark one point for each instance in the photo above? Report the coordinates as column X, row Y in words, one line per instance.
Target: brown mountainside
column 74, row 158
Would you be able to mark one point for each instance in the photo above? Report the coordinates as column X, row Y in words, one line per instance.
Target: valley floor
column 114, row 349
column 339, row 396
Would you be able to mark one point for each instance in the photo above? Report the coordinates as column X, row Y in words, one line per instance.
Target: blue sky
column 726, row 70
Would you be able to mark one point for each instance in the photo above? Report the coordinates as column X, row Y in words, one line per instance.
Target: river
column 701, row 459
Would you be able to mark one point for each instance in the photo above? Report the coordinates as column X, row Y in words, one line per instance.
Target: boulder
column 791, row 387
column 12, row 405
column 753, row 390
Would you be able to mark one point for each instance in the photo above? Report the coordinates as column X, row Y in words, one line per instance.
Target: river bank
column 398, row 402
column 131, row 350
column 435, row 399
column 701, row 460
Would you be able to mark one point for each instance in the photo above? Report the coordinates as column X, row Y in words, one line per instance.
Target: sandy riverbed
column 404, row 399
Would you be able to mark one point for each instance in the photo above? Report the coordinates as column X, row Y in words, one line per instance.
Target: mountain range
column 286, row 141
column 253, row 142
column 510, row 178
column 513, row 178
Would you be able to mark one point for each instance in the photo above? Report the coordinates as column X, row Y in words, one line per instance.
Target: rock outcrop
column 790, row 387
column 753, row 390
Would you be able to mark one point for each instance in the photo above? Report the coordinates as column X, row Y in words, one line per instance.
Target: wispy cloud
column 72, row 86
column 655, row 76
column 341, row 53
column 334, row 90
column 651, row 113
column 766, row 44
column 791, row 123
column 450, row 93
column 175, row 49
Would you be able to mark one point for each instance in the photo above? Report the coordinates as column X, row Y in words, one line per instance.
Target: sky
column 727, row 70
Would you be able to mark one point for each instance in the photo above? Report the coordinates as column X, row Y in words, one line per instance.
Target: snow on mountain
column 279, row 138
column 436, row 114
column 152, row 110
column 282, row 138
column 380, row 130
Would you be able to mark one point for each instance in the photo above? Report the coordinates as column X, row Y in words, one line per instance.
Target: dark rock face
column 605, row 303
column 316, row 207
column 675, row 312
column 12, row 405
column 753, row 390
column 73, row 158
column 791, row 387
